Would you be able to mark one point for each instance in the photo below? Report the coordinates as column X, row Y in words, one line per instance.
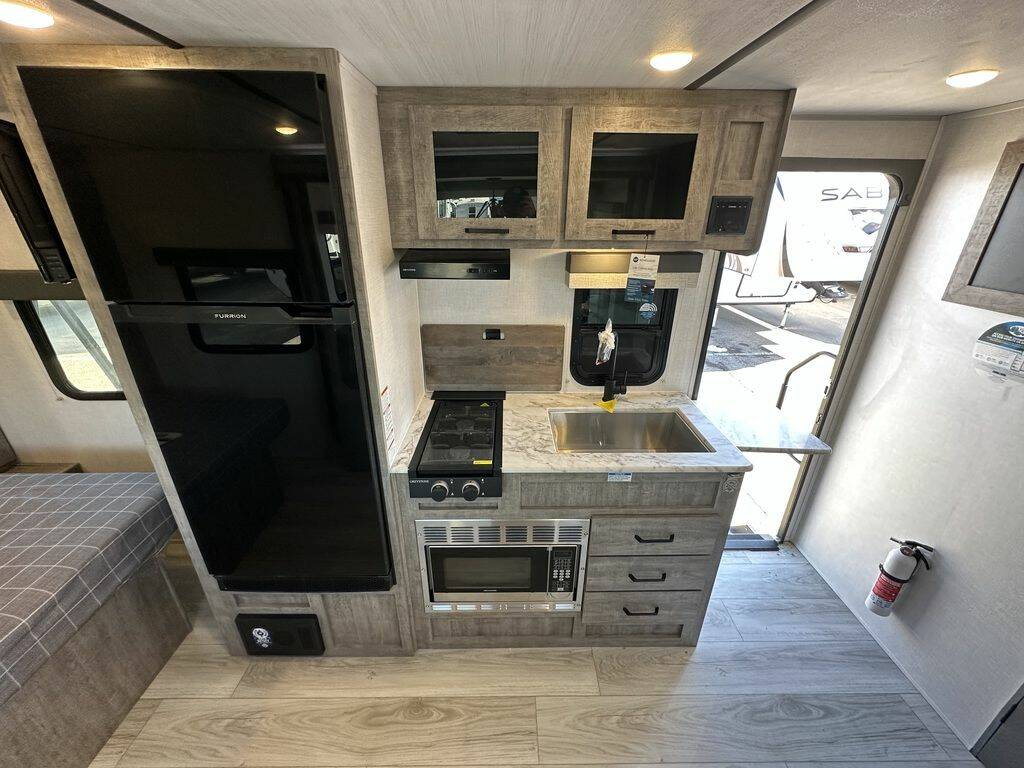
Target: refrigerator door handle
column 230, row 315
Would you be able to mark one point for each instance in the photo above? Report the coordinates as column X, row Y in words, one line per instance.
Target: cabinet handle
column 635, row 580
column 645, row 232
column 628, row 612
column 485, row 231
column 640, row 540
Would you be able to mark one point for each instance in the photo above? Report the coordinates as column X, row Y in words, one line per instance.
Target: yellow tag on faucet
column 608, row 406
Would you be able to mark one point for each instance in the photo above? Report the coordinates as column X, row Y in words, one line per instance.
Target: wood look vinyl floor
column 784, row 677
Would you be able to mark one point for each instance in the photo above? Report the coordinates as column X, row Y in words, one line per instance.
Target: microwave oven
column 492, row 566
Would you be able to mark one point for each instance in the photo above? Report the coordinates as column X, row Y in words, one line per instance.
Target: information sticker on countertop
column 620, row 477
column 999, row 352
column 643, row 270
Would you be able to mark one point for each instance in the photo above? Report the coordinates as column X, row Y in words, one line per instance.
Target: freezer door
column 183, row 189
column 263, row 421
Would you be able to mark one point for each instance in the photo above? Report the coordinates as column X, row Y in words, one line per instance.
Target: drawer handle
column 635, row 580
column 641, row 540
column 485, row 231
column 628, row 612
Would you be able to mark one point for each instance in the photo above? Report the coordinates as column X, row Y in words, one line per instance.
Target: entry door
column 786, row 319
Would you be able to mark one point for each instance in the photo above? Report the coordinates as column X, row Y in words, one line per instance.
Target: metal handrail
column 785, row 381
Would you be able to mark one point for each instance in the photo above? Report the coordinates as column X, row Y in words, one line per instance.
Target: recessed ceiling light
column 971, row 79
column 671, row 61
column 286, row 130
column 23, row 13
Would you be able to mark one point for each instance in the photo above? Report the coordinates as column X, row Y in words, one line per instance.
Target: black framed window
column 65, row 335
column 644, row 333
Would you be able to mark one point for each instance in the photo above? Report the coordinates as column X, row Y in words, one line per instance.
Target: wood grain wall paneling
column 528, row 359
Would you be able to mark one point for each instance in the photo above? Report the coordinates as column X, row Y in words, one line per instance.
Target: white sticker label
column 620, row 477
column 388, row 418
column 999, row 352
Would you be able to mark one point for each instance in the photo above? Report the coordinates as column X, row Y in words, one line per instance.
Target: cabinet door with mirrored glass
column 487, row 172
column 637, row 172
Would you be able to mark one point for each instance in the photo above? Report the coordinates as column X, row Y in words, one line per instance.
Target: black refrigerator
column 208, row 204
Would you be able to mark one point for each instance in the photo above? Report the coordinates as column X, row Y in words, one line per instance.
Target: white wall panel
column 930, row 450
column 44, row 425
column 390, row 301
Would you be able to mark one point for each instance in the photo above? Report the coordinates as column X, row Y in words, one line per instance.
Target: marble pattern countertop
column 528, row 444
column 755, row 428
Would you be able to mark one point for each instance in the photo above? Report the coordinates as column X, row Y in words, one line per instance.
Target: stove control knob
column 439, row 491
column 470, row 490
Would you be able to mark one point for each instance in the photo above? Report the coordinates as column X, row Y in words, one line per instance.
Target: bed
column 87, row 617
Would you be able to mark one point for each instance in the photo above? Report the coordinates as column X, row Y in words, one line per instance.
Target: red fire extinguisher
column 899, row 567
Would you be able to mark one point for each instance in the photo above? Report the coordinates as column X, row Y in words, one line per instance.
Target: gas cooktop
column 459, row 452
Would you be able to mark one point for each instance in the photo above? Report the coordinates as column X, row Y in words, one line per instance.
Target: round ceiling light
column 286, row 130
column 971, row 79
column 23, row 13
column 671, row 61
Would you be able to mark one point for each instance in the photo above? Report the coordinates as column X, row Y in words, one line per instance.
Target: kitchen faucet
column 608, row 349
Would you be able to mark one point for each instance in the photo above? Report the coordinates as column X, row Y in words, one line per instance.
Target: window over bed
column 65, row 335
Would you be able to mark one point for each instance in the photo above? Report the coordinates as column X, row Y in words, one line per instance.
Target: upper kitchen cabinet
column 487, row 172
column 640, row 172
column 580, row 167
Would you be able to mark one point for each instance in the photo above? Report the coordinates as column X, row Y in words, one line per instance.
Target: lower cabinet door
column 641, row 607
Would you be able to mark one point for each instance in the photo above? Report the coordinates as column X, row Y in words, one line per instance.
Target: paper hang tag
column 643, row 270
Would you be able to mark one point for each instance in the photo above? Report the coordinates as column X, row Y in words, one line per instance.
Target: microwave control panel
column 563, row 569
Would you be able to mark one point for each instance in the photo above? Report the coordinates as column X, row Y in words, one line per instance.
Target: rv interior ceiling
column 437, row 382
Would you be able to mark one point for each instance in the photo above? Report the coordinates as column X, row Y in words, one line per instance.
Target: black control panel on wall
column 729, row 215
column 296, row 634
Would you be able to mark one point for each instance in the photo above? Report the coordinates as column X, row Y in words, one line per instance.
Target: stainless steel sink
column 598, row 431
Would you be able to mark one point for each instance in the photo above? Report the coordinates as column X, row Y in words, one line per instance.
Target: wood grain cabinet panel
column 705, row 122
column 612, row 574
column 642, row 608
column 527, row 358
column 545, row 121
column 736, row 152
column 748, row 159
column 596, row 493
column 654, row 535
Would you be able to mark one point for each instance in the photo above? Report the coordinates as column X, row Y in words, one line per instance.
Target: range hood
column 454, row 264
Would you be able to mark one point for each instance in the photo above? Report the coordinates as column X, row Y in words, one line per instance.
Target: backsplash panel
column 528, row 358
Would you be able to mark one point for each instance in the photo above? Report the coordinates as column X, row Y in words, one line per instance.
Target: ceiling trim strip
column 801, row 14
column 127, row 21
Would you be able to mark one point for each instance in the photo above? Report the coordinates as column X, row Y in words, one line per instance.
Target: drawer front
column 659, row 572
column 641, row 607
column 654, row 535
